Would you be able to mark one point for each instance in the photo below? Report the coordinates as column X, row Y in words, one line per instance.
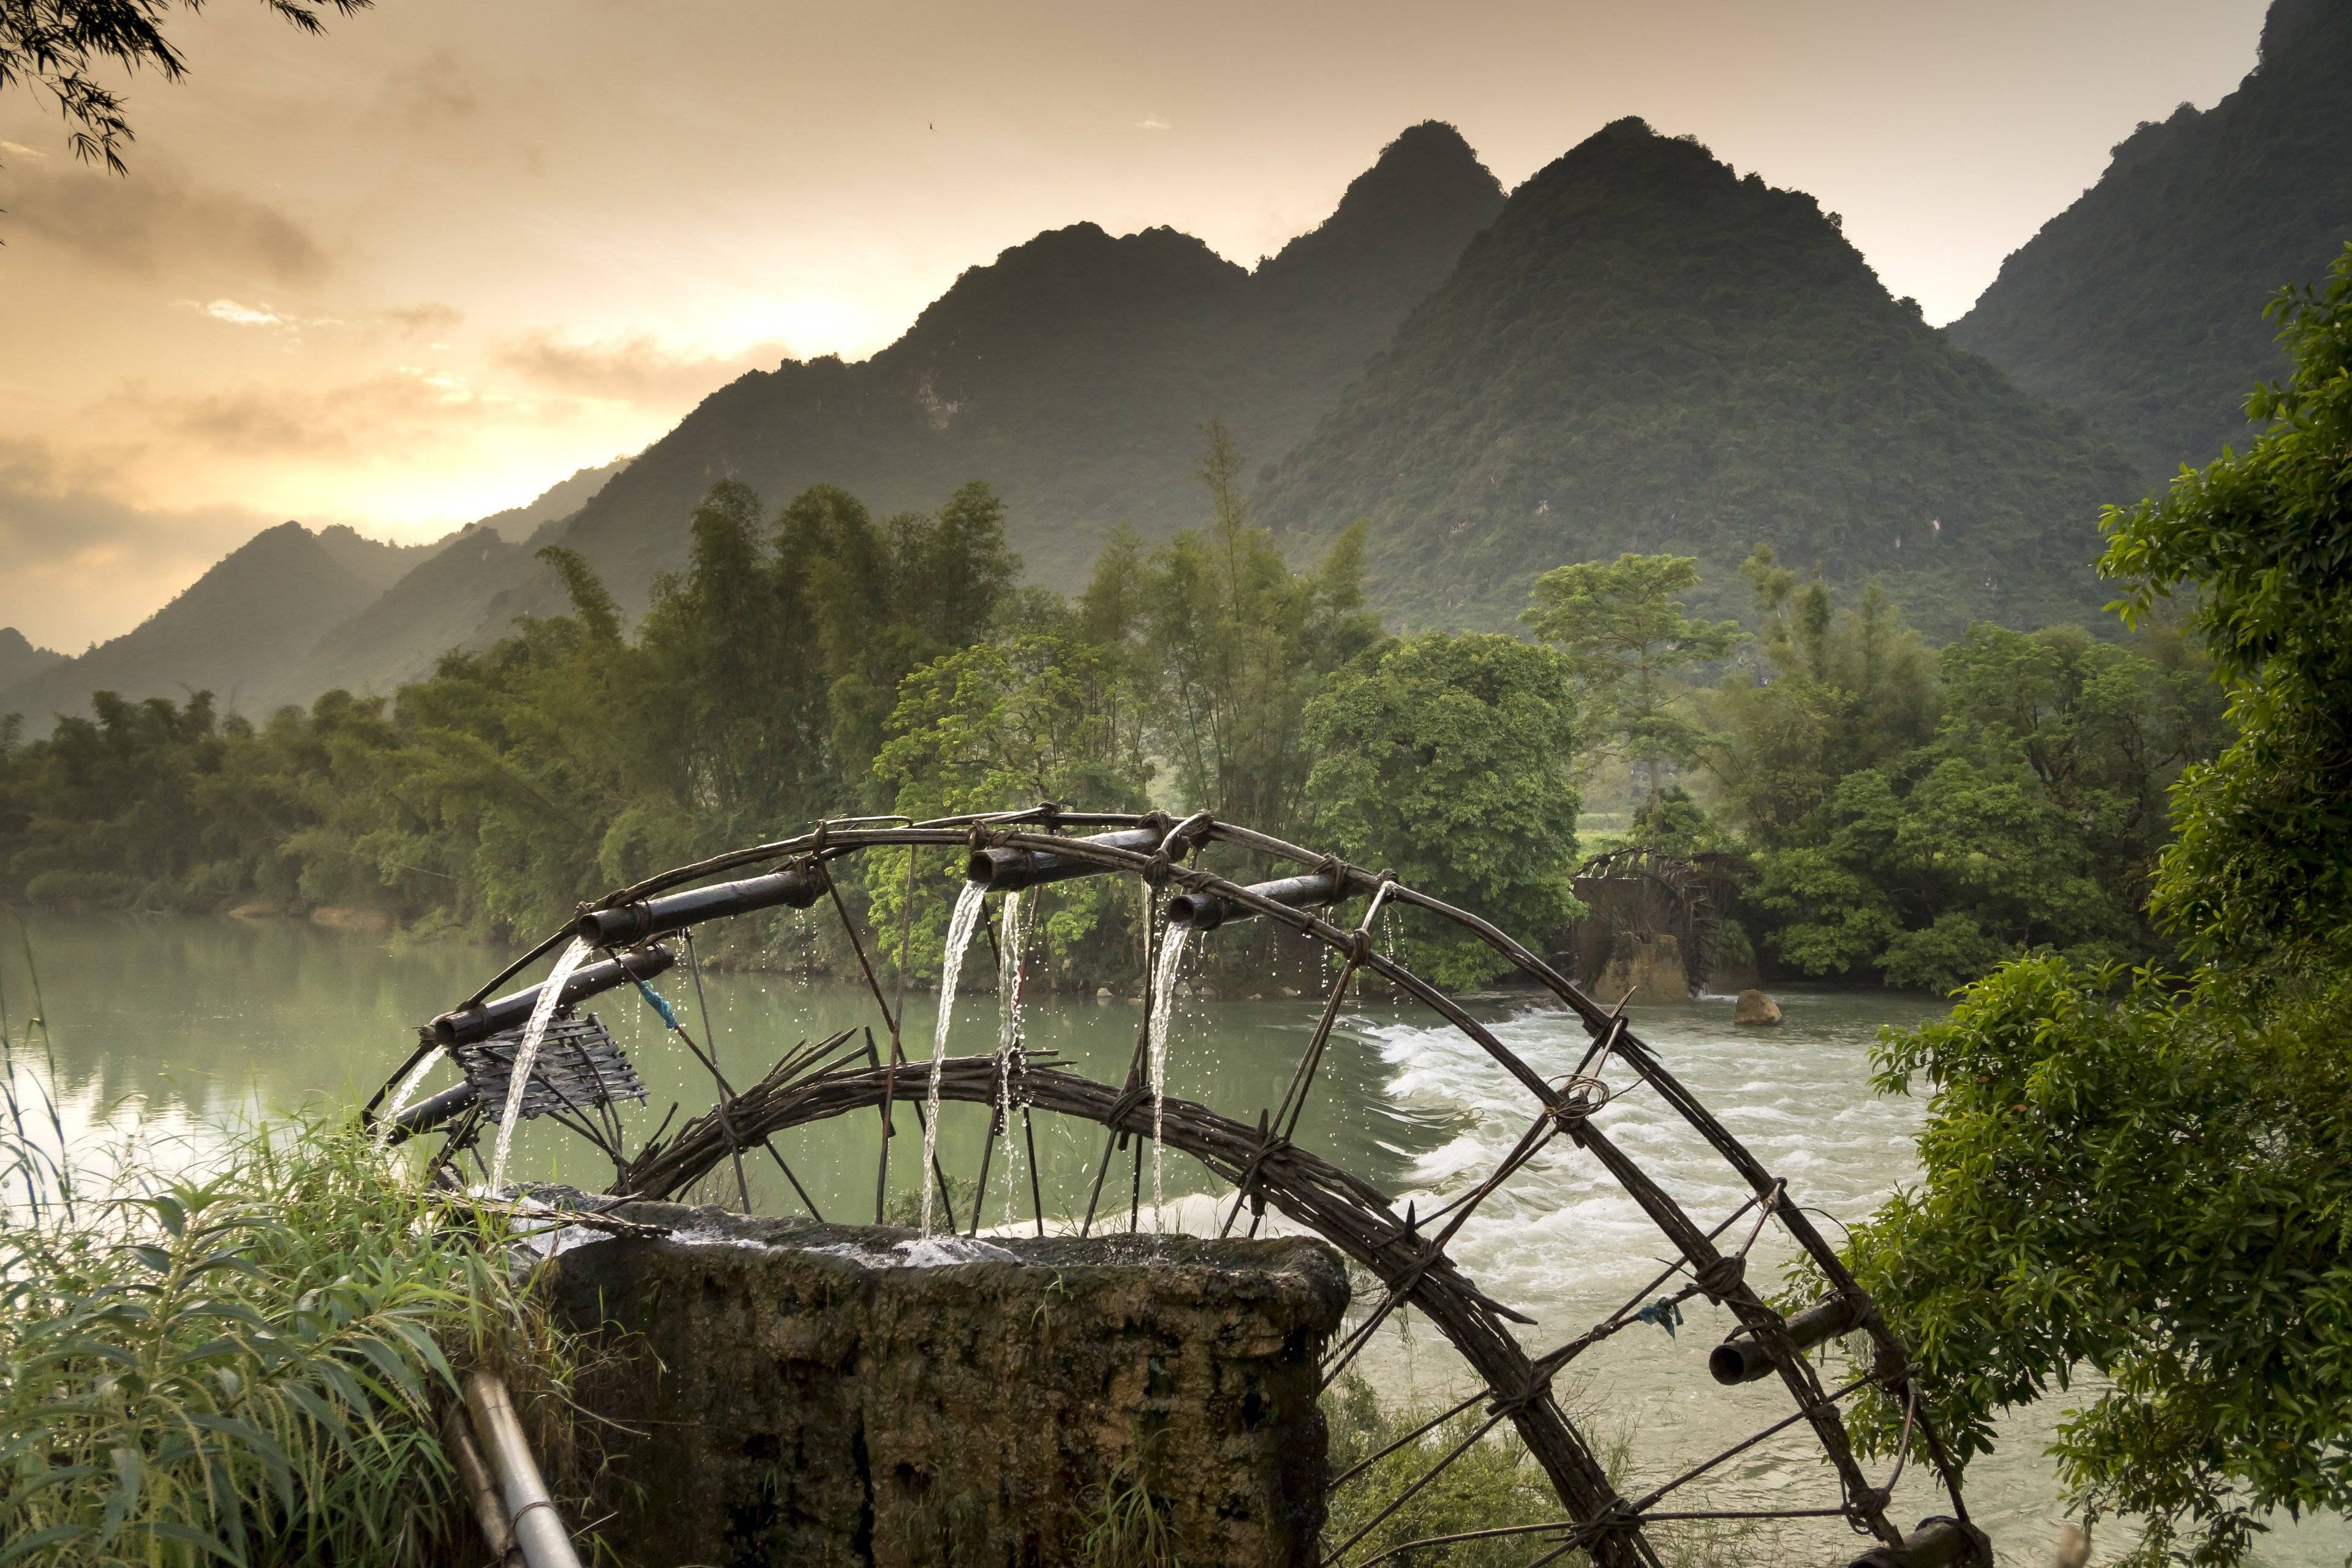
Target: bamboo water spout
column 1010, row 870
column 796, row 886
column 1207, row 911
column 482, row 1019
column 1744, row 1360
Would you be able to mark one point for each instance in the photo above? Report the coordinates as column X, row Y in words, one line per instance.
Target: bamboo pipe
column 1207, row 911
column 797, row 886
column 481, row 1491
column 483, row 1019
column 1744, row 1360
column 1938, row 1543
column 1007, row 870
column 538, row 1532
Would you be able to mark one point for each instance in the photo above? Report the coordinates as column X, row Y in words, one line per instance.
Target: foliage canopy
column 2148, row 1176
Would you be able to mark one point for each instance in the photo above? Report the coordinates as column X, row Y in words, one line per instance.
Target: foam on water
column 1561, row 1236
column 922, row 1252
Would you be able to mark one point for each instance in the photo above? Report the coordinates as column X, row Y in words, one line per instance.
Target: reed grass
column 237, row 1352
column 245, row 1366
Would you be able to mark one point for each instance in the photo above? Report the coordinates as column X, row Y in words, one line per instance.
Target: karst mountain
column 1649, row 351
column 2141, row 303
column 1639, row 349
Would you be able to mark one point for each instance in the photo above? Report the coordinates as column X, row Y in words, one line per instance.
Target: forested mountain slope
column 444, row 602
column 1648, row 352
column 239, row 631
column 20, row 660
column 1074, row 374
column 2141, row 304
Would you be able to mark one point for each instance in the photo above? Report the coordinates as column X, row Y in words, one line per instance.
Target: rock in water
column 1755, row 1008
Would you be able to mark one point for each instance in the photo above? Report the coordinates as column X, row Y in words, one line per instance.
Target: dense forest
column 1894, row 811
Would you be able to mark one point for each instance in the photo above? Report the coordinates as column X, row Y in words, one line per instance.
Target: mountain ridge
column 21, row 659
column 235, row 631
column 1646, row 350
column 2141, row 303
column 1075, row 372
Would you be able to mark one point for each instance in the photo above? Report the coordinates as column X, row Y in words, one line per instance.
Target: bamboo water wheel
column 575, row 1073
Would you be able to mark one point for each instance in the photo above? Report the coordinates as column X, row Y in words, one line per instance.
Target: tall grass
column 1494, row 1484
column 241, row 1361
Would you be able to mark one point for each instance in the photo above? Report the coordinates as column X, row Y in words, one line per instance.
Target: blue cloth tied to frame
column 1662, row 1312
column 655, row 999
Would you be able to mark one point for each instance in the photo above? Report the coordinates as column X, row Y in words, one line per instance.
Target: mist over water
column 175, row 1025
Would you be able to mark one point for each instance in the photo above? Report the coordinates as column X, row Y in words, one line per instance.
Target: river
column 174, row 1026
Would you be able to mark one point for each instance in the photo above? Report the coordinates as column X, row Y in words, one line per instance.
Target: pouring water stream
column 543, row 1011
column 1164, row 1004
column 960, row 926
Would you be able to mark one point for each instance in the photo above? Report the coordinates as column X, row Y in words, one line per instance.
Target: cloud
column 157, row 217
column 1153, row 125
column 435, row 94
column 238, row 315
column 429, row 319
column 365, row 417
column 635, row 369
column 262, row 315
column 83, row 566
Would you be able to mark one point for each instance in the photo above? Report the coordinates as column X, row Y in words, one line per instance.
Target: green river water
column 174, row 1026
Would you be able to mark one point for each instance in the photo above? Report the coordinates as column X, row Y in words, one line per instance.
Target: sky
column 420, row 268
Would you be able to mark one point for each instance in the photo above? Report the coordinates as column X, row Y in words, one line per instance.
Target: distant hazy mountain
column 447, row 601
column 1647, row 352
column 20, row 660
column 1075, row 374
column 239, row 631
column 2141, row 303
column 559, row 501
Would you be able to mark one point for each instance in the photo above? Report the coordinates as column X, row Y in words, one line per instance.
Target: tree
column 1000, row 725
column 1835, row 690
column 57, row 46
column 1237, row 643
column 2150, row 1176
column 1448, row 760
column 1622, row 629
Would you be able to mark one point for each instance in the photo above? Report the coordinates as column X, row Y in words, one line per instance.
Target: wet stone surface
column 789, row 1391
